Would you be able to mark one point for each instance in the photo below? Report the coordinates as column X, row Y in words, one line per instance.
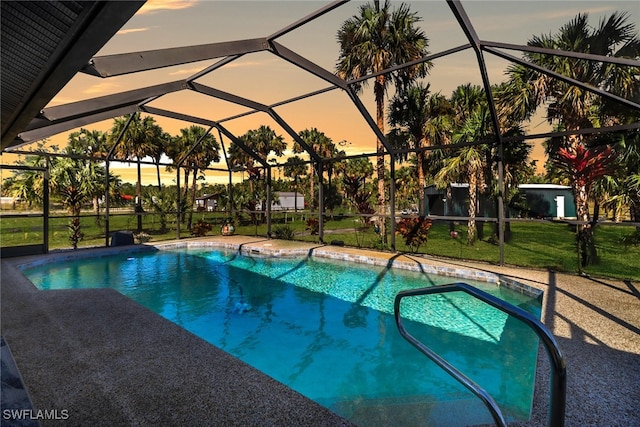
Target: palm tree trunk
column 379, row 94
column 586, row 245
column 158, row 175
column 194, row 186
column 96, row 209
column 421, row 182
column 311, row 175
column 471, row 224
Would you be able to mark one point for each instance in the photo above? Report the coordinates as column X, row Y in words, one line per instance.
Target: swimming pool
column 326, row 329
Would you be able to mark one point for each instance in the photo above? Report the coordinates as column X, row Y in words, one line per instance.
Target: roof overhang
column 44, row 45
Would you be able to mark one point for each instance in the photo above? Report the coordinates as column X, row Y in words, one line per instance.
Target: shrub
column 283, row 232
column 142, row 237
column 415, row 231
column 313, row 225
column 200, row 228
column 632, row 239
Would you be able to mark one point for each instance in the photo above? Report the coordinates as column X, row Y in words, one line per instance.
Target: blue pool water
column 326, row 329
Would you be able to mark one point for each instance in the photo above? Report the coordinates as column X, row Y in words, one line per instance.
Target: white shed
column 288, row 201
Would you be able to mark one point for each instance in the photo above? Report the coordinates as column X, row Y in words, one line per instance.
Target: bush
column 142, row 237
column 313, row 225
column 283, row 232
column 632, row 239
column 200, row 228
column 415, row 231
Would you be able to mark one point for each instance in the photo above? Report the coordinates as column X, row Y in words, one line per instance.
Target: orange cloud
column 153, row 6
column 132, row 30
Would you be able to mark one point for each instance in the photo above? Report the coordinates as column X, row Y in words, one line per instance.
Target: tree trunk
column 421, row 182
column 96, row 210
column 194, row 185
column 586, row 245
column 379, row 94
column 158, row 175
column 311, row 188
column 471, row 224
column 634, row 213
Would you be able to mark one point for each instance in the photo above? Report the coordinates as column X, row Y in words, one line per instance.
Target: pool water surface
column 326, row 329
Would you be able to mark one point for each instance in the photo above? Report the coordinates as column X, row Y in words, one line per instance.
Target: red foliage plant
column 415, row 231
column 586, row 164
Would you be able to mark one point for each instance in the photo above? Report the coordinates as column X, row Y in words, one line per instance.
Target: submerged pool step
column 415, row 411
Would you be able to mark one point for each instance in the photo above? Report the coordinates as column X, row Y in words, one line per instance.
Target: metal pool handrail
column 558, row 373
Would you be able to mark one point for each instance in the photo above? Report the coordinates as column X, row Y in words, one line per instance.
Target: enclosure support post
column 268, row 207
column 45, row 202
column 320, row 202
column 178, row 204
column 392, row 205
column 500, row 202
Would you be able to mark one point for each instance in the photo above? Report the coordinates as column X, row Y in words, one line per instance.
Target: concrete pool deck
column 108, row 361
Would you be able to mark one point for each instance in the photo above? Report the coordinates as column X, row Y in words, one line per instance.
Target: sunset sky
column 267, row 79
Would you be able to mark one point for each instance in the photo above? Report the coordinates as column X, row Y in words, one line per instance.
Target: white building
column 286, row 201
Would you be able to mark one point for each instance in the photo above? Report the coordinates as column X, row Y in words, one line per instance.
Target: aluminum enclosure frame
column 50, row 121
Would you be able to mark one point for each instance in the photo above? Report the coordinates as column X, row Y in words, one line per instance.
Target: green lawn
column 533, row 244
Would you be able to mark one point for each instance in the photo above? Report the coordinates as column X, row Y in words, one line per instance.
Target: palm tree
column 263, row 141
column 572, row 107
column 420, row 115
column 140, row 140
column 319, row 143
column 374, row 40
column 354, row 183
column 91, row 143
column 193, row 159
column 294, row 168
column 471, row 123
column 76, row 180
column 28, row 184
column 158, row 151
column 407, row 186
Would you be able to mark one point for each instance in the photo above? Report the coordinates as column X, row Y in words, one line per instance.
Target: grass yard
column 532, row 244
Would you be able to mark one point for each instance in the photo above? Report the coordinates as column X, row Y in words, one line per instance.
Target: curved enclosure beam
column 565, row 79
column 565, row 53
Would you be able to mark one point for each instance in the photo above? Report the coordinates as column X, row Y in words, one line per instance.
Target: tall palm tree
column 319, row 143
column 572, row 107
column 194, row 159
column 159, row 151
column 263, row 141
column 376, row 39
column 140, row 140
column 293, row 168
column 418, row 113
column 471, row 123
